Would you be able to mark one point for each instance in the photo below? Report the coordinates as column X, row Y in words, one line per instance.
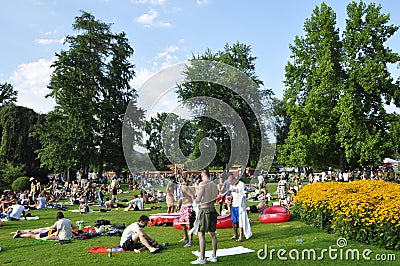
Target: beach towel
column 244, row 219
column 105, row 250
column 90, row 211
column 225, row 252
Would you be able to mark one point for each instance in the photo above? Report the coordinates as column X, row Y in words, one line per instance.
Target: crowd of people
column 195, row 197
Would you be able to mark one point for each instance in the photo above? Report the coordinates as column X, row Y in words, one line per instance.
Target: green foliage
column 238, row 56
column 90, row 85
column 20, row 184
column 161, row 143
column 9, row 172
column 7, row 94
column 16, row 144
column 336, row 90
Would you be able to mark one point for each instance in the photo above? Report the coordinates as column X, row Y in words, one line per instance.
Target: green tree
column 160, row 139
column 17, row 146
column 364, row 123
column 336, row 90
column 7, row 94
column 90, row 85
column 240, row 57
column 313, row 80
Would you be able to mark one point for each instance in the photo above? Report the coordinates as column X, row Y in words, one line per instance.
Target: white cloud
column 50, row 33
column 31, row 80
column 153, row 2
column 167, row 51
column 141, row 76
column 167, row 56
column 49, row 41
column 149, row 20
column 202, row 2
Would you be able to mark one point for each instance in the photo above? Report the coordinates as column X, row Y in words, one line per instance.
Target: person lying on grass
column 61, row 230
column 133, row 234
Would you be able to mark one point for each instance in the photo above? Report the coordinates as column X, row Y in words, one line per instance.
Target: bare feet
column 239, row 240
column 233, row 237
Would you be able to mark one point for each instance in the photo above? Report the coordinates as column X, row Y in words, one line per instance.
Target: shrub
column 20, row 184
column 10, row 172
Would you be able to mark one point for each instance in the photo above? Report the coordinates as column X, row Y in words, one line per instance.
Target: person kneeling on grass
column 133, row 234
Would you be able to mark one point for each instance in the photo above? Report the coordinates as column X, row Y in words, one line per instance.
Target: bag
column 101, row 222
column 115, row 232
column 192, row 219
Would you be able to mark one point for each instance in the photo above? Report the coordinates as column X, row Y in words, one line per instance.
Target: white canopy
column 388, row 160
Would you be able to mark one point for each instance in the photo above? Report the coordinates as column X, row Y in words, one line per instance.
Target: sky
column 162, row 32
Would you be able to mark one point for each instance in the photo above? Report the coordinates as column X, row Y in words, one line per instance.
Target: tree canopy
column 337, row 89
column 238, row 56
column 90, row 85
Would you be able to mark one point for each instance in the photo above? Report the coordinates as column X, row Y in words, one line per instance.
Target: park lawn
column 275, row 236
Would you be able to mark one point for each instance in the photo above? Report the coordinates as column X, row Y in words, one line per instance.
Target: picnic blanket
column 90, row 211
column 31, row 218
column 226, row 251
column 105, row 250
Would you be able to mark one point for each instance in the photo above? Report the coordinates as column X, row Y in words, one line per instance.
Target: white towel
column 225, row 252
column 244, row 219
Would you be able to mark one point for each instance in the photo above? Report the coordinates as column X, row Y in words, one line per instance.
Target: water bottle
column 165, row 244
column 110, row 252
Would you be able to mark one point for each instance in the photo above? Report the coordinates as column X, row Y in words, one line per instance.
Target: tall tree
column 90, row 85
column 364, row 123
column 7, row 94
column 313, row 81
column 17, row 146
column 336, row 90
column 240, row 57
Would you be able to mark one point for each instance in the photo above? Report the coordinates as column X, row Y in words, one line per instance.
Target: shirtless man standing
column 207, row 216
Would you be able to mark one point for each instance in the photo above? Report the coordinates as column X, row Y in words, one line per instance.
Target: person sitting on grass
column 262, row 205
column 15, row 211
column 136, row 204
column 133, row 237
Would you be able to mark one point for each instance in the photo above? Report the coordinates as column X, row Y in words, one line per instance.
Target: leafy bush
column 20, row 184
column 367, row 211
column 9, row 172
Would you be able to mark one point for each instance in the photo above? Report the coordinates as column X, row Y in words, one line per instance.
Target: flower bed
column 367, row 211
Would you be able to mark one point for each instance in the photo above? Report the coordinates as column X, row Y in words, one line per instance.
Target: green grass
column 275, row 236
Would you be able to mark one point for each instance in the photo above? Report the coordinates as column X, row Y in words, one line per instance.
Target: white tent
column 388, row 160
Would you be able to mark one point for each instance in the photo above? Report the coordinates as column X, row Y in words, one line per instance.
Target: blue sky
column 162, row 33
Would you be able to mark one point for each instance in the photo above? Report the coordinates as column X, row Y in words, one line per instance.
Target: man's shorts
column 235, row 214
column 185, row 213
column 208, row 220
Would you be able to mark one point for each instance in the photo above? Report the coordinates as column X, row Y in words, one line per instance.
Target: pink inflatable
column 223, row 221
column 275, row 214
column 162, row 218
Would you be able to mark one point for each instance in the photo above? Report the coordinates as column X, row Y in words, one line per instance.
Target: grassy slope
column 275, row 236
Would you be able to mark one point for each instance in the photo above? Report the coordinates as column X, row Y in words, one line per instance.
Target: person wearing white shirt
column 15, row 212
column 133, row 234
column 238, row 193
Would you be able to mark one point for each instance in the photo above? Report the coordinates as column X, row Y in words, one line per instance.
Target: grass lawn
column 274, row 236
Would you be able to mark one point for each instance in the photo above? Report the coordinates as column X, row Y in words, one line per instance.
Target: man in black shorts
column 207, row 216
